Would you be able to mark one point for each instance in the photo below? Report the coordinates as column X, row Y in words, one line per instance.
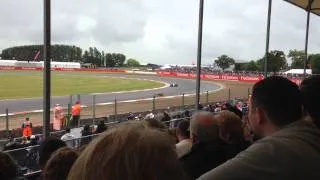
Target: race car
column 173, row 85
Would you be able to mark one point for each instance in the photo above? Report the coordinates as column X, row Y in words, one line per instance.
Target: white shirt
column 69, row 139
column 183, row 147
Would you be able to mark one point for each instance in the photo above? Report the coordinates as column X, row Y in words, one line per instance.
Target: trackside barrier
column 241, row 78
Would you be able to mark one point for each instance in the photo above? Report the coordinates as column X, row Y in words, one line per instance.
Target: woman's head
column 230, row 127
column 8, row 167
column 60, row 163
column 47, row 148
column 129, row 151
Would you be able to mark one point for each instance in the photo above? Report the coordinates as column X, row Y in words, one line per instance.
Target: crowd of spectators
column 214, row 71
column 273, row 135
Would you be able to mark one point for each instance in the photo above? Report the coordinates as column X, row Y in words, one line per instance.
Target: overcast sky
column 160, row 31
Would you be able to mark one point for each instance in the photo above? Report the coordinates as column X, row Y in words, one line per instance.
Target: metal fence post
column 183, row 100
column 229, row 94
column 207, row 97
column 248, row 92
column 7, row 119
column 154, row 103
column 70, row 99
column 78, row 97
column 69, row 114
column 115, row 109
column 93, row 109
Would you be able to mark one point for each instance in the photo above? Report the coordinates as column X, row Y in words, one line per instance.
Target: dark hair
column 8, row 167
column 47, row 148
column 279, row 98
column 183, row 128
column 236, row 111
column 129, row 151
column 68, row 130
column 310, row 89
column 60, row 163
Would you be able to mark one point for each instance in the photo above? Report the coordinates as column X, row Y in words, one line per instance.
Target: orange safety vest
column 76, row 110
column 27, row 129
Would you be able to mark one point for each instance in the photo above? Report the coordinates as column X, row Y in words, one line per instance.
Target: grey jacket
column 292, row 153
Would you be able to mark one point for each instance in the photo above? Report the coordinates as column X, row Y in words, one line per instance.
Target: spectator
column 86, row 135
column 69, row 138
column 150, row 115
column 47, row 147
column 173, row 133
column 310, row 89
column 206, row 152
column 166, row 117
column 232, row 133
column 131, row 116
column 289, row 148
column 8, row 168
column 101, row 127
column 183, row 134
column 60, row 163
column 129, row 151
column 32, row 157
column 187, row 114
column 234, row 109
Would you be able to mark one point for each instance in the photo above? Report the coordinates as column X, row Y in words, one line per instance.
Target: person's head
column 310, row 89
column 60, row 163
column 68, row 130
column 204, row 127
column 187, row 113
column 47, row 147
column 8, row 167
column 77, row 102
column 101, row 123
column 27, row 119
column 33, row 140
column 129, row 151
column 230, row 127
column 275, row 103
column 86, row 128
column 236, row 111
column 183, row 130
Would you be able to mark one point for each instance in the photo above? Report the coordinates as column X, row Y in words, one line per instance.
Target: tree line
column 68, row 53
column 277, row 61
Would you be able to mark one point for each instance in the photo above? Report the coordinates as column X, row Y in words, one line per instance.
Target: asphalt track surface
column 186, row 86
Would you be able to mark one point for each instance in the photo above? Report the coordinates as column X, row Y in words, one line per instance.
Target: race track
column 186, row 86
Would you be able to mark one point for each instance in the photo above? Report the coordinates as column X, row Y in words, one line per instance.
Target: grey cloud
column 231, row 27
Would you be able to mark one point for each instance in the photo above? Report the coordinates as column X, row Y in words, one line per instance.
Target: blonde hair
column 130, row 151
column 230, row 126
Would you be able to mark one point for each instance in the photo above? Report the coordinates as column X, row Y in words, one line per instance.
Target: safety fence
column 95, row 107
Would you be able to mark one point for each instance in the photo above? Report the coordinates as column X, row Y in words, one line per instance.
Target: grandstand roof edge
column 303, row 4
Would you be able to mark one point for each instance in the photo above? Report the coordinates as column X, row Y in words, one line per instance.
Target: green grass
column 27, row 85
